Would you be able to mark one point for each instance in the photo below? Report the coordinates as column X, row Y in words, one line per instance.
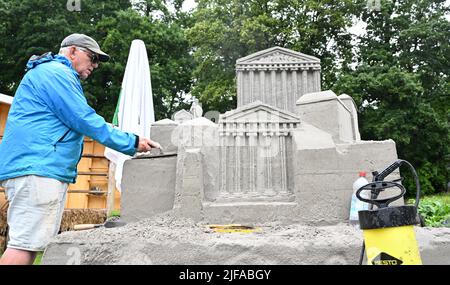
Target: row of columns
column 261, row 85
column 254, row 165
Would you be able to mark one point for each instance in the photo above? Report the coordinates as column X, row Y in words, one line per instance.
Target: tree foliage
column 225, row 30
column 401, row 82
column 37, row 26
column 114, row 24
column 168, row 53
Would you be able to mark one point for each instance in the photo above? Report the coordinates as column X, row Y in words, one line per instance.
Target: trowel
column 107, row 224
column 153, row 153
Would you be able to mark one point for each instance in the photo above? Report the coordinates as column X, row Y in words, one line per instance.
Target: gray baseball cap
column 81, row 40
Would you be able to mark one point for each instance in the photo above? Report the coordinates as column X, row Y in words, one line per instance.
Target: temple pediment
column 278, row 55
column 182, row 116
column 276, row 76
column 259, row 112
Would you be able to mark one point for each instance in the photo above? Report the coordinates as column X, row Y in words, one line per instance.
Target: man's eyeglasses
column 94, row 58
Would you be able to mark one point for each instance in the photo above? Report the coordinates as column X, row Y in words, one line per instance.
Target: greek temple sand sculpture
column 289, row 152
column 284, row 161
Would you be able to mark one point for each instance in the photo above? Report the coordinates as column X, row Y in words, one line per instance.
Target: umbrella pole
column 111, row 189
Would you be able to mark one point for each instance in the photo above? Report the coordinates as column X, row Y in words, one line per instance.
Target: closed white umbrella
column 134, row 111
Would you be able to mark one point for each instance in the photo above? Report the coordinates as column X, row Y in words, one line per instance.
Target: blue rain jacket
column 47, row 120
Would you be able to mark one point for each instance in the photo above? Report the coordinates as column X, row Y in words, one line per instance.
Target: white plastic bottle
column 358, row 205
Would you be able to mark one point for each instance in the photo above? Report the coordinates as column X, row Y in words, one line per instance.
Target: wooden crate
column 96, row 202
column 2, row 198
column 93, row 171
column 76, row 201
column 4, row 109
column 92, row 176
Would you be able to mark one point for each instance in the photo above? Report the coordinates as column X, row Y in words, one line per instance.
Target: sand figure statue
column 196, row 110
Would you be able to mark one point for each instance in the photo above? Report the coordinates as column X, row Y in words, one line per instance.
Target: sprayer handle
column 388, row 170
column 375, row 188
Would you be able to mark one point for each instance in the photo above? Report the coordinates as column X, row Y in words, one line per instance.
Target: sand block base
column 170, row 241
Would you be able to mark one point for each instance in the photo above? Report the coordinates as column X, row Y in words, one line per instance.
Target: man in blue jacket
column 43, row 143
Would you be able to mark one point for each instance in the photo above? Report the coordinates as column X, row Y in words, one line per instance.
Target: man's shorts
column 36, row 205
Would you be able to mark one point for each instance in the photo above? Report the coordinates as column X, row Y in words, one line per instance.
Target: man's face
column 83, row 61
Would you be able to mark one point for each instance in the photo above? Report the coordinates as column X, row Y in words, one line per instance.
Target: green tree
column 114, row 24
column 38, row 26
column 224, row 31
column 168, row 52
column 401, row 84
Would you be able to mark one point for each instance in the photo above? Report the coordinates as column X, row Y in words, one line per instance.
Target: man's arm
column 65, row 97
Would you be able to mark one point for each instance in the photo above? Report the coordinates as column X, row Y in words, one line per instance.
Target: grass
column 435, row 210
column 115, row 213
column 37, row 260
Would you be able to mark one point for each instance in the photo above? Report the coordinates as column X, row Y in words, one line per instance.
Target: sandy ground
column 167, row 240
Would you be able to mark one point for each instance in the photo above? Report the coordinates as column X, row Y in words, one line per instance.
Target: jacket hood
column 35, row 60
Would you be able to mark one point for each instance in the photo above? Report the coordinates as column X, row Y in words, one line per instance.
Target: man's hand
column 146, row 145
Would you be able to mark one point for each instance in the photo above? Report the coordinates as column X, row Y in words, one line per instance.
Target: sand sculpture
column 284, row 161
column 289, row 152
